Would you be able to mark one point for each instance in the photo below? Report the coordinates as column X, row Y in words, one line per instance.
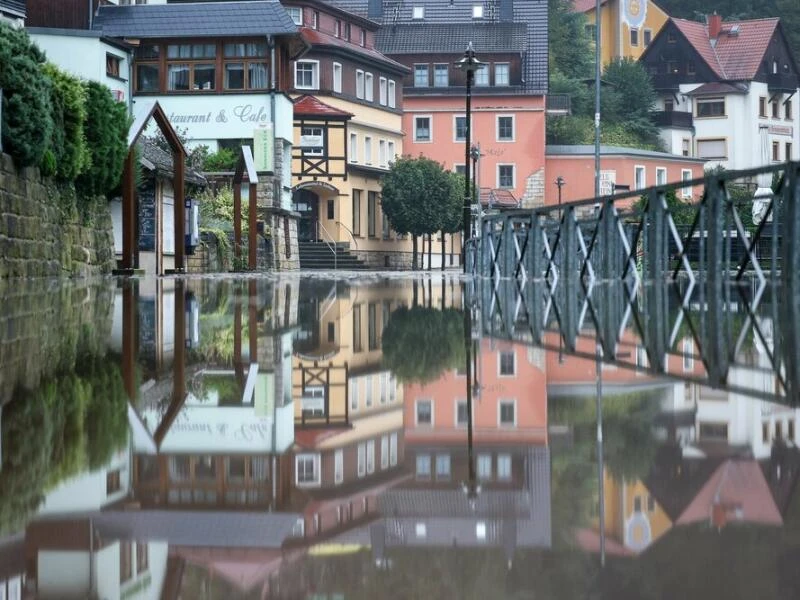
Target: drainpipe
column 278, row 189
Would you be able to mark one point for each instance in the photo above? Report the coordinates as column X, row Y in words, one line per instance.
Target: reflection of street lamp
column 469, row 64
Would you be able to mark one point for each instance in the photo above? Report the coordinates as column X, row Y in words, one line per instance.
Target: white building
column 727, row 91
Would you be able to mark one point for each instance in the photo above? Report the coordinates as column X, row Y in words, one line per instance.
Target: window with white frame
column 484, row 466
column 462, row 416
column 502, row 74
column 306, row 74
column 686, row 175
column 480, row 531
column 459, row 128
column 482, row 75
column 392, row 91
column 639, row 181
column 353, row 149
column 505, row 128
column 337, row 78
column 420, row 530
column 316, row 133
column 384, row 452
column 338, row 466
column 367, row 150
column 507, row 413
column 296, row 13
column 361, row 459
column 688, row 355
column 368, row 384
column 370, row 456
column 506, row 364
column 354, row 399
column 384, row 384
column 505, row 176
column 313, row 401
column 442, row 466
column 421, row 75
column 710, row 107
column 422, row 129
column 393, row 449
column 360, row 84
column 440, row 75
column 418, row 12
column 423, row 470
column 363, row 37
column 390, row 150
column 661, row 176
column 369, row 87
column 307, row 470
column 424, row 411
column 477, row 11
column 716, row 148
column 503, row 467
column 382, row 91
column 382, row 153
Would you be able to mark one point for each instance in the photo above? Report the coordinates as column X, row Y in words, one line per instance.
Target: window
column 686, row 148
column 669, row 105
column 313, row 401
column 113, row 483
column 125, row 562
column 337, row 78
column 425, row 412
column 393, row 450
column 461, row 413
column 505, row 176
column 372, row 213
column 634, row 36
column 501, row 74
column 347, row 31
column 372, row 336
column 382, row 91
column 506, row 364
column 390, row 150
column 762, row 107
column 505, row 128
column 420, row 530
column 353, row 150
column 480, row 531
column 639, row 178
column 778, row 430
column 357, row 332
column 712, row 148
column 338, row 466
column 484, row 466
column 306, row 75
column 591, row 32
column 337, row 28
column 113, row 63
column 504, row 467
column 647, row 37
column 507, row 412
column 637, row 504
column 370, row 456
column 671, row 37
column 296, row 13
column 714, row 431
column 788, row 108
column 354, row 395
column 191, row 67
column 356, row 212
column 331, row 210
column 392, row 98
column 142, row 558
column 314, row 133
column 422, row 129
column 307, row 469
column 418, row 12
column 423, row 466
column 384, row 452
column 361, row 453
column 382, row 153
column 362, row 38
column 440, row 75
column 459, row 128
column 482, row 75
column 367, row 150
column 368, row 384
column 147, row 77
column 315, row 19
column 712, row 107
column 442, row 466
column 459, row 168
column 776, row 151
column 691, row 69
column 245, row 66
column 765, row 432
column 788, row 155
column 775, row 109
column 420, row 75
column 360, row 84
column 661, row 176
column 672, row 67
column 790, row 430
column 477, row 11
column 686, row 175
column 369, row 85
column 688, row 356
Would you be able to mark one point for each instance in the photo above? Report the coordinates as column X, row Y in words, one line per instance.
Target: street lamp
column 469, row 64
column 560, row 182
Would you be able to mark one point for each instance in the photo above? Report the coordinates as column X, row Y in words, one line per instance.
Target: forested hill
column 787, row 10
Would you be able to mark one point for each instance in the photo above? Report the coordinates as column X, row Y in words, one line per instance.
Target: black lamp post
column 560, row 182
column 469, row 64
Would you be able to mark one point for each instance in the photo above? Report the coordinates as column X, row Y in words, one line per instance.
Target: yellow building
column 626, row 26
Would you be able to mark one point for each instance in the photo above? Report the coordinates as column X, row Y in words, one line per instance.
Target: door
column 307, row 204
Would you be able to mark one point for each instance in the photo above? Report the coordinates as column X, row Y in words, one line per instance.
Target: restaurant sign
column 263, row 148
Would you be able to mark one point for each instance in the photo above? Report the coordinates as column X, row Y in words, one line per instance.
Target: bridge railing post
column 789, row 227
column 715, row 343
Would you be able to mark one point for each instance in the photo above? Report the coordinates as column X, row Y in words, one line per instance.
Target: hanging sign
column 263, row 147
column 634, row 12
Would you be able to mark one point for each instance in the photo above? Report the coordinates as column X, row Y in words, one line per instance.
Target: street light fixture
column 469, row 64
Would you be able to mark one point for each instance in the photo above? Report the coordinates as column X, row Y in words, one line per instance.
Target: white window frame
column 426, row 458
column 446, row 459
column 500, row 403
column 359, row 84
column 315, row 458
column 314, row 75
column 456, row 403
column 390, row 153
column 481, row 69
column 427, row 74
column 508, row 73
column 382, row 91
column 500, row 363
column 315, row 20
column 382, row 154
column 513, row 177
column 338, row 466
column 298, row 11
column 384, row 452
column 370, row 457
column 430, row 129
column 417, row 402
column 661, row 171
column 355, row 399
column 477, row 11
column 337, row 77
column 636, row 169
column 482, row 458
column 447, row 74
column 393, row 449
column 370, row 395
column 504, row 458
column 418, row 13
column 455, row 128
column 686, row 191
column 392, row 94
column 312, row 130
column 361, row 459
column 497, row 128
column 688, row 355
column 369, row 87
column 352, row 151
column 367, row 154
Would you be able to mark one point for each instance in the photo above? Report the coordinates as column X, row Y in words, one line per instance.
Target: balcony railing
column 559, row 104
column 673, row 118
column 665, row 81
column 782, row 82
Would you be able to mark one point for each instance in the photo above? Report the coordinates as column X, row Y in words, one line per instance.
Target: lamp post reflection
column 599, row 414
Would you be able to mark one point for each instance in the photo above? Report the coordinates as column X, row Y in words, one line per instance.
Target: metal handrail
column 331, row 247
column 352, row 235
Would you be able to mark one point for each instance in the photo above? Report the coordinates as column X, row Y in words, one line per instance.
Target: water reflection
column 283, row 438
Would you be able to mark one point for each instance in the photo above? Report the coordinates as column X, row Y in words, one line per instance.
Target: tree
column 570, row 47
column 414, row 192
column 630, row 98
column 68, row 143
column 453, row 210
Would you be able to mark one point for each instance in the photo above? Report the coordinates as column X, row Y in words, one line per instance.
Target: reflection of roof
column 310, row 106
column 244, row 568
column 674, row 481
column 443, row 38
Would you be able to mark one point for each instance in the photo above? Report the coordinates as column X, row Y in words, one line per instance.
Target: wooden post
column 252, row 319
column 237, row 224
column 252, row 247
column 179, row 210
column 129, row 338
column 129, row 219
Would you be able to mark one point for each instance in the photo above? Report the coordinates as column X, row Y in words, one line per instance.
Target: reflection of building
column 12, row 11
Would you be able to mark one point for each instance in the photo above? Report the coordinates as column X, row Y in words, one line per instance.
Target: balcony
column 782, row 82
column 559, row 104
column 666, row 81
column 673, row 119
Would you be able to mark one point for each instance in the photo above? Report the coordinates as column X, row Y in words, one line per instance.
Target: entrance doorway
column 307, row 204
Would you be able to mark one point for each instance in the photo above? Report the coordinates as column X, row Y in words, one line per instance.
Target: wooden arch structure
column 130, row 217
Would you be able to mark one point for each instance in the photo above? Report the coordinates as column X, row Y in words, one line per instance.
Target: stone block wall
column 206, row 257
column 39, row 238
column 283, row 230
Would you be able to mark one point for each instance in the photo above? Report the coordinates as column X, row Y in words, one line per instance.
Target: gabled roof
column 212, row 19
column 314, row 37
column 732, row 56
column 582, row 6
column 311, row 106
column 716, row 88
column 433, row 38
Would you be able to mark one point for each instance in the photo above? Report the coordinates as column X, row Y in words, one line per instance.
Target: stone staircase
column 318, row 255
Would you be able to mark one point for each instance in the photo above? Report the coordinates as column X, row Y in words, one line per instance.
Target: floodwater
column 393, row 437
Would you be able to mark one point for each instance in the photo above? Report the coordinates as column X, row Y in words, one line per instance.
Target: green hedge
column 68, row 145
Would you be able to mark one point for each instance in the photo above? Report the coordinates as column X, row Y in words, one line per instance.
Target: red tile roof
column 498, row 197
column 315, row 37
column 732, row 57
column 310, row 106
column 582, row 6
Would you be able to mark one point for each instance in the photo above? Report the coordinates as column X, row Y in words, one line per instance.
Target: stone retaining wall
column 40, row 238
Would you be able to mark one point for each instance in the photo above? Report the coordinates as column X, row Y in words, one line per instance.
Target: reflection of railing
column 350, row 233
column 331, row 245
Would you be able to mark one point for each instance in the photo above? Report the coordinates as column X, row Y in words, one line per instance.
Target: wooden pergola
column 245, row 164
column 130, row 218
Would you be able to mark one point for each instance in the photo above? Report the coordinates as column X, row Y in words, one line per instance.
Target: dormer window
column 477, row 11
column 363, row 40
column 337, row 28
column 296, row 13
column 315, row 19
column 418, row 12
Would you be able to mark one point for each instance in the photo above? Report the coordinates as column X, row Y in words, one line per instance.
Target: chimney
column 714, row 26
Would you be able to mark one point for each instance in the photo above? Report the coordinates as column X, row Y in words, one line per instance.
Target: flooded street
column 393, row 437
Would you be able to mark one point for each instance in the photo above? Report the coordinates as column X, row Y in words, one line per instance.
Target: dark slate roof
column 230, row 19
column 154, row 158
column 458, row 15
column 420, row 38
